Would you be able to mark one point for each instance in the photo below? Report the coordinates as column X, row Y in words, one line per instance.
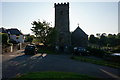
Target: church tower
column 63, row 39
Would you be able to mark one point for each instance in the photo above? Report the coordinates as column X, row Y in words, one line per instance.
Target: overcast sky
column 93, row 17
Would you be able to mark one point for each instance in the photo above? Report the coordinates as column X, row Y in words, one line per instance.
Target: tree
column 103, row 40
column 51, row 37
column 112, row 40
column 5, row 38
column 93, row 39
column 29, row 38
column 43, row 32
column 98, row 35
column 118, row 39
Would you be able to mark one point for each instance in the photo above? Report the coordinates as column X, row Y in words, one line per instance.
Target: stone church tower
column 63, row 39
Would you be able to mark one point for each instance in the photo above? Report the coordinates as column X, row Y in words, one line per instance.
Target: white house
column 15, row 35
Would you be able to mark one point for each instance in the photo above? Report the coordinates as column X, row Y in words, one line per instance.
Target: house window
column 17, row 37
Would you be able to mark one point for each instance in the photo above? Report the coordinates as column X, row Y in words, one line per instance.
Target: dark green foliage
column 0, row 38
column 46, row 49
column 112, row 40
column 56, row 76
column 117, row 50
column 93, row 39
column 103, row 40
column 29, row 38
column 43, row 32
column 101, row 61
column 4, row 38
column 96, row 52
column 51, row 37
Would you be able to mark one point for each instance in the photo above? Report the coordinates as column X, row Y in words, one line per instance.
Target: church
column 64, row 38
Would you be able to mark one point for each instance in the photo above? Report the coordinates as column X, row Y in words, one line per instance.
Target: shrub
column 5, row 38
column 97, row 52
column 117, row 50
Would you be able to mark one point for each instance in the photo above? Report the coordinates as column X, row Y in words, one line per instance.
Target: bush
column 29, row 38
column 96, row 52
column 117, row 50
column 5, row 38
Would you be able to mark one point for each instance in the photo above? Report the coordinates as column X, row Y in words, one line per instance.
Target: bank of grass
column 54, row 76
column 46, row 50
column 95, row 61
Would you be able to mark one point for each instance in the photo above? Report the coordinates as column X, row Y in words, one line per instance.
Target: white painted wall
column 20, row 39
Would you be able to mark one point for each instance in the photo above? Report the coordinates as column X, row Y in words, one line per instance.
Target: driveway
column 18, row 63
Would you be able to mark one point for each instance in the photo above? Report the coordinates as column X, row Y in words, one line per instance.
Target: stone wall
column 63, row 38
column 13, row 48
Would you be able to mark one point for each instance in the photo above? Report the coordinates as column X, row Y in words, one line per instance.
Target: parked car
column 115, row 54
column 30, row 49
column 81, row 51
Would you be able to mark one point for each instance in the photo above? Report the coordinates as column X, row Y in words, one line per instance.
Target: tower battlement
column 61, row 4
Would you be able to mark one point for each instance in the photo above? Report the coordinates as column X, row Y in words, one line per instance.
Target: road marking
column 44, row 54
column 110, row 74
column 37, row 55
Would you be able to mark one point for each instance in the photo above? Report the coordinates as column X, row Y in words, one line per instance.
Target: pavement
column 17, row 63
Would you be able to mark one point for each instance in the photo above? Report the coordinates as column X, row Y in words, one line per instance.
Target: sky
column 92, row 17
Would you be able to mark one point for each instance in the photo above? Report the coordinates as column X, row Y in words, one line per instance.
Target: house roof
column 79, row 30
column 14, row 31
column 3, row 30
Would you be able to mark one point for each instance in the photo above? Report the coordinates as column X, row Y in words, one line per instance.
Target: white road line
column 111, row 74
column 37, row 55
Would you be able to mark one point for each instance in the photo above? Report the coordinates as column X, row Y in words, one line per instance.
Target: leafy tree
column 98, row 35
column 51, row 37
column 29, row 38
column 5, row 38
column 103, row 40
column 43, row 32
column 112, row 40
column 93, row 39
column 118, row 39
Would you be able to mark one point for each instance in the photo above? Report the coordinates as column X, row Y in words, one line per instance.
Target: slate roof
column 3, row 30
column 14, row 31
column 79, row 31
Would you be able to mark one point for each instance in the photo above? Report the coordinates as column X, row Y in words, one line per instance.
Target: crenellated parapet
column 61, row 4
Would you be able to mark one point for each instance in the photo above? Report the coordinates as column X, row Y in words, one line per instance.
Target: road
column 18, row 63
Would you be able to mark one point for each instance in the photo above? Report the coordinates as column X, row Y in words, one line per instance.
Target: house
column 3, row 30
column 15, row 35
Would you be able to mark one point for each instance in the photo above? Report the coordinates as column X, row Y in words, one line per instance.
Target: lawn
column 95, row 61
column 55, row 76
column 47, row 50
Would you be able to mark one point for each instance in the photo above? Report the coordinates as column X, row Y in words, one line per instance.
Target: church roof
column 79, row 31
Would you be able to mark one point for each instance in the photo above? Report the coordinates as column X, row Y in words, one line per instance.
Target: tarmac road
column 18, row 63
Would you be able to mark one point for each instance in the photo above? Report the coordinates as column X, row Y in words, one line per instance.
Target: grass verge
column 94, row 61
column 55, row 76
column 46, row 50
